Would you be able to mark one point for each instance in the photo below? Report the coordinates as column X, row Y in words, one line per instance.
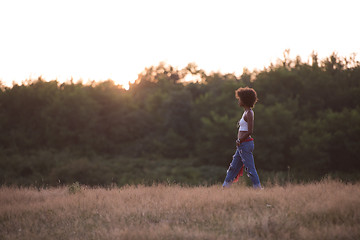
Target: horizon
column 104, row 40
column 187, row 78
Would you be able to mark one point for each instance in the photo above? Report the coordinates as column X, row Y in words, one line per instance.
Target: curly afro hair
column 247, row 95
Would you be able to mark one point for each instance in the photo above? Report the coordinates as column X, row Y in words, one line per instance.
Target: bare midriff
column 242, row 134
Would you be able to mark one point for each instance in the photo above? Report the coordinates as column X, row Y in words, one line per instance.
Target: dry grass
column 325, row 210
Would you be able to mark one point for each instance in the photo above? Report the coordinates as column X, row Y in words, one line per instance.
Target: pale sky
column 98, row 40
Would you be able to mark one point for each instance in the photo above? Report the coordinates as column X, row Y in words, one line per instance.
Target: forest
column 166, row 129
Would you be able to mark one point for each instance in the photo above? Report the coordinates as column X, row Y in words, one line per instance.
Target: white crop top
column 243, row 125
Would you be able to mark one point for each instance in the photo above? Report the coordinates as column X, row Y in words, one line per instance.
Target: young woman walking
column 243, row 157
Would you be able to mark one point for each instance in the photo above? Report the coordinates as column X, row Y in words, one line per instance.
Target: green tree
column 329, row 143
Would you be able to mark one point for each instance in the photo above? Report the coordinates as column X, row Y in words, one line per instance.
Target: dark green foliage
column 307, row 120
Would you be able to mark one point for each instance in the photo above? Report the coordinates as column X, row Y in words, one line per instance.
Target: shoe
column 226, row 184
column 258, row 187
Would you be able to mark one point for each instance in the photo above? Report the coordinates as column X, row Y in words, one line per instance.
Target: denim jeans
column 243, row 156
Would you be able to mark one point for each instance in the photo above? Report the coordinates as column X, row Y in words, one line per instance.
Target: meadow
column 328, row 209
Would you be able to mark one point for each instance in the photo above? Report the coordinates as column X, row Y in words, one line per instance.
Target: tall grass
column 324, row 210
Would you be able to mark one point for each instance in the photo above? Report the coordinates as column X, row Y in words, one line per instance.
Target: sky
column 100, row 40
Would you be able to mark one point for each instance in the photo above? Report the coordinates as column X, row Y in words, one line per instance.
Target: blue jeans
column 243, row 155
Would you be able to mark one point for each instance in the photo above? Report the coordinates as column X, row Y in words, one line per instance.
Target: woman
column 243, row 156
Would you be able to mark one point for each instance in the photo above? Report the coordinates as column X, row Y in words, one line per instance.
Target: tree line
column 307, row 119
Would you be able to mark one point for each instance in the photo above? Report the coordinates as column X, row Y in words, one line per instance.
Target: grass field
column 324, row 210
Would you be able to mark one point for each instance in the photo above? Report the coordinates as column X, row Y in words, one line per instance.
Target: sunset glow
column 100, row 40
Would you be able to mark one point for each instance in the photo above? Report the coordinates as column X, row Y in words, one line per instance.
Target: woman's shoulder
column 249, row 111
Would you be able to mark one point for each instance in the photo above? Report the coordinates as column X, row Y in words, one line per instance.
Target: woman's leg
column 246, row 153
column 234, row 169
